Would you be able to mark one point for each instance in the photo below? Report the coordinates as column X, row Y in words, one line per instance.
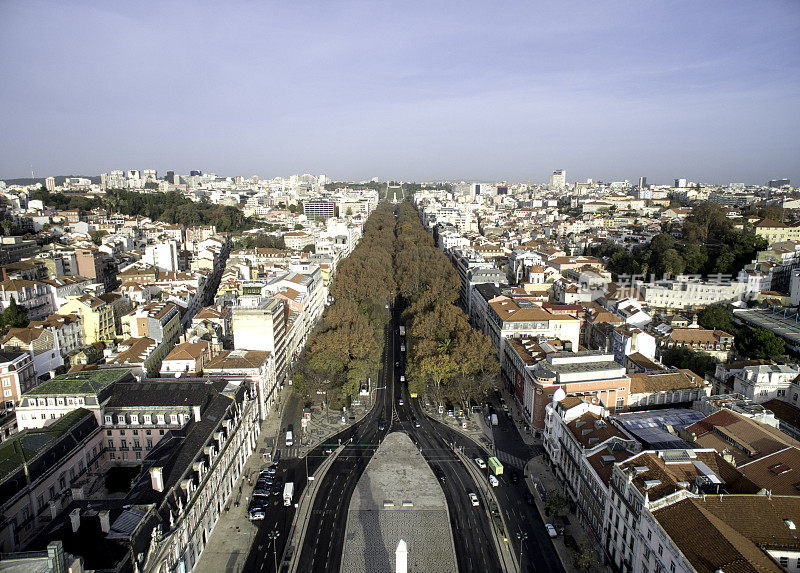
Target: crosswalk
column 510, row 460
column 290, row 452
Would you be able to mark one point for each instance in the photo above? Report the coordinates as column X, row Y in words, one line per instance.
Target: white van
column 289, row 439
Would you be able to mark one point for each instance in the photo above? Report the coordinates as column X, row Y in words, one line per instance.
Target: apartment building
column 40, row 343
column 157, row 320
column 36, row 297
column 690, row 294
column 34, row 486
column 766, row 382
column 254, row 368
column 262, row 326
column 515, row 318
column 17, row 376
column 717, row 343
column 46, row 403
column 187, row 359
column 97, row 317
column 535, row 372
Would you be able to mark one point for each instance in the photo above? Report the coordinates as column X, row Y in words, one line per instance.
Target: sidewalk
column 230, row 542
column 542, row 482
column 232, row 539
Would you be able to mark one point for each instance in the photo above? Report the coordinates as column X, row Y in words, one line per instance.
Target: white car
column 494, row 481
column 551, row 531
column 474, row 499
column 481, row 463
column 400, row 402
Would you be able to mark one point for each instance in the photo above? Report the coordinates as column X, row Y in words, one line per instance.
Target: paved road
column 322, row 550
column 472, row 534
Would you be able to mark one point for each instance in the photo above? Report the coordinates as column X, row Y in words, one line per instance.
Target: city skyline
column 356, row 91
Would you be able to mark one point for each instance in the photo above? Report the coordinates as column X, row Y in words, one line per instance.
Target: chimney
column 105, row 521
column 77, row 492
column 401, row 557
column 157, row 478
column 196, row 410
column 75, row 519
column 55, row 556
column 55, row 507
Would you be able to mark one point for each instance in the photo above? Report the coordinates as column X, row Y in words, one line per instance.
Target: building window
column 660, row 551
column 672, row 566
column 149, row 443
column 123, row 443
column 136, row 444
column 134, row 418
column 111, row 444
column 173, row 418
column 109, row 420
column 160, row 418
column 108, row 432
column 112, row 456
column 148, row 419
column 52, row 492
column 121, row 419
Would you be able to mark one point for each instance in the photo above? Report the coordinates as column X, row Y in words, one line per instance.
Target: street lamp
column 521, row 537
column 273, row 535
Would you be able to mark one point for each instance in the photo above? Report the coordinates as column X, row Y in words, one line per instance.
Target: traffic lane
column 330, row 521
column 471, row 528
column 511, row 498
column 329, row 513
column 538, row 549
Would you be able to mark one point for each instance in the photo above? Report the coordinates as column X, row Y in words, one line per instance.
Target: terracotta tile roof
column 664, row 478
column 779, row 473
column 188, row 350
column 238, row 359
column 784, row 411
column 745, row 438
column 697, row 335
column 722, row 545
column 590, row 430
column 25, row 335
column 664, row 381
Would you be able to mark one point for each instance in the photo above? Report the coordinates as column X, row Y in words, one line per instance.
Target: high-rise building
column 558, row 180
column 50, row 184
column 778, row 183
column 170, row 178
column 149, row 174
column 195, row 173
column 680, row 183
column 642, row 182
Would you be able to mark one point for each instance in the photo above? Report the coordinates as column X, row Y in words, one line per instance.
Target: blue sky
column 423, row 91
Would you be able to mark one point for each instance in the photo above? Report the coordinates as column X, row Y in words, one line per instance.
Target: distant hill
column 59, row 180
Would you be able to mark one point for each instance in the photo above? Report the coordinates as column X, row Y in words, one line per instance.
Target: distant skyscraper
column 50, row 184
column 558, row 180
column 778, row 183
column 170, row 178
column 195, row 173
column 680, row 183
column 642, row 182
column 502, row 189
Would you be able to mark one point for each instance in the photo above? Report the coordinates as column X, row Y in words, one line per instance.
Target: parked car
column 481, row 463
column 551, row 531
column 474, row 499
column 256, row 512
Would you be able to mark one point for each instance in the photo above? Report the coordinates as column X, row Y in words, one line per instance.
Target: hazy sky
column 705, row 90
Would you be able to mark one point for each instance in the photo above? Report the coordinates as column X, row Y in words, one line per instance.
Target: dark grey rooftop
column 398, row 497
